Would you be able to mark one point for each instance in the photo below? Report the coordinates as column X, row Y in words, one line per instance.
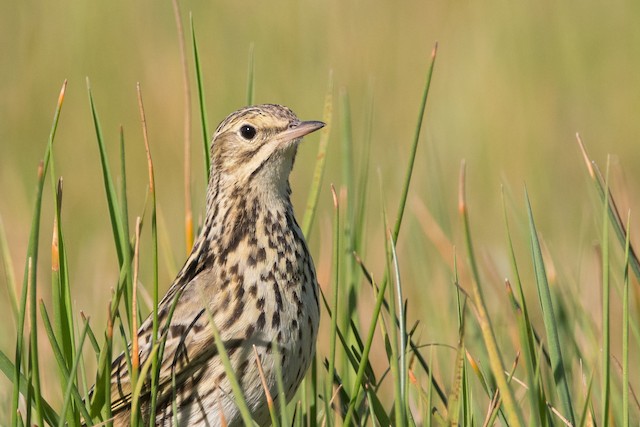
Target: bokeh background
column 513, row 83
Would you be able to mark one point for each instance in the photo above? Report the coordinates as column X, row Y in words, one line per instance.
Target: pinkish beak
column 299, row 129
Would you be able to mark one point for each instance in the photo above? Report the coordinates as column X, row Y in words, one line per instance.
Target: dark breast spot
column 252, row 260
column 310, row 324
column 233, row 270
column 240, row 292
column 261, row 321
column 237, row 312
column 278, row 297
column 261, row 255
column 176, row 330
column 253, row 290
column 250, row 330
column 275, row 322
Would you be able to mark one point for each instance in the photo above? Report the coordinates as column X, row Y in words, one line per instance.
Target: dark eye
column 247, row 131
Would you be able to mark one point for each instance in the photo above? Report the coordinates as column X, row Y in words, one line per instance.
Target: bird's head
column 256, row 147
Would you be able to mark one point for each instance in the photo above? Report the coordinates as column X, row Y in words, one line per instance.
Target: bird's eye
column 248, row 132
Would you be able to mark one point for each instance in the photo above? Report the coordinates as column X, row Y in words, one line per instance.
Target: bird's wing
column 188, row 343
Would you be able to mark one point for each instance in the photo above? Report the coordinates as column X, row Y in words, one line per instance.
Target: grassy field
column 511, row 86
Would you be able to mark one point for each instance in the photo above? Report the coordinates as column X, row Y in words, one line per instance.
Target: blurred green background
column 513, row 83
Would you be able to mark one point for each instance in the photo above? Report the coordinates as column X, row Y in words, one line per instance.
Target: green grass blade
column 201, row 103
column 525, row 329
column 457, row 397
column 231, row 376
column 550, row 322
column 606, row 293
column 398, row 361
column 68, row 372
column 119, row 238
column 415, row 348
column 137, row 390
column 334, row 307
column 513, row 413
column 584, row 416
column 155, row 363
column 314, row 405
column 365, row 355
column 124, row 206
column 606, row 197
column 29, row 283
column 363, row 178
column 536, row 400
column 430, row 389
column 346, row 155
column 377, row 409
column 235, row 386
column 347, row 243
column 8, row 368
column 625, row 330
column 10, row 278
column 251, row 75
column 318, row 172
column 61, row 292
column 102, row 391
column 284, row 416
column 414, row 146
column 110, row 190
column 70, row 383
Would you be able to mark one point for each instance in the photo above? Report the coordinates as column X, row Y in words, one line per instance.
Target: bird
column 250, row 272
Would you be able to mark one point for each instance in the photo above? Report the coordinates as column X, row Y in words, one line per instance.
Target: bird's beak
column 299, row 129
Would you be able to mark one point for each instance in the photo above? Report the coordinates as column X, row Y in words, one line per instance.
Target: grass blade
column 68, row 371
column 251, row 75
column 231, row 376
column 365, row 355
column 155, row 364
column 334, row 307
column 614, row 215
column 29, row 283
column 121, row 240
column 495, row 359
column 606, row 293
column 284, row 416
column 61, row 295
column 525, row 329
column 8, row 368
column 186, row 127
column 398, row 337
column 414, row 146
column 318, row 172
column 201, row 103
column 625, row 330
column 9, row 274
column 550, row 322
column 70, row 383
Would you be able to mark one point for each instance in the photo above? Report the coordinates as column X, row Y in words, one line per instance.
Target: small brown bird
column 250, row 271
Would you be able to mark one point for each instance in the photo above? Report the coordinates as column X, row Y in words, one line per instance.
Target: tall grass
column 504, row 364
